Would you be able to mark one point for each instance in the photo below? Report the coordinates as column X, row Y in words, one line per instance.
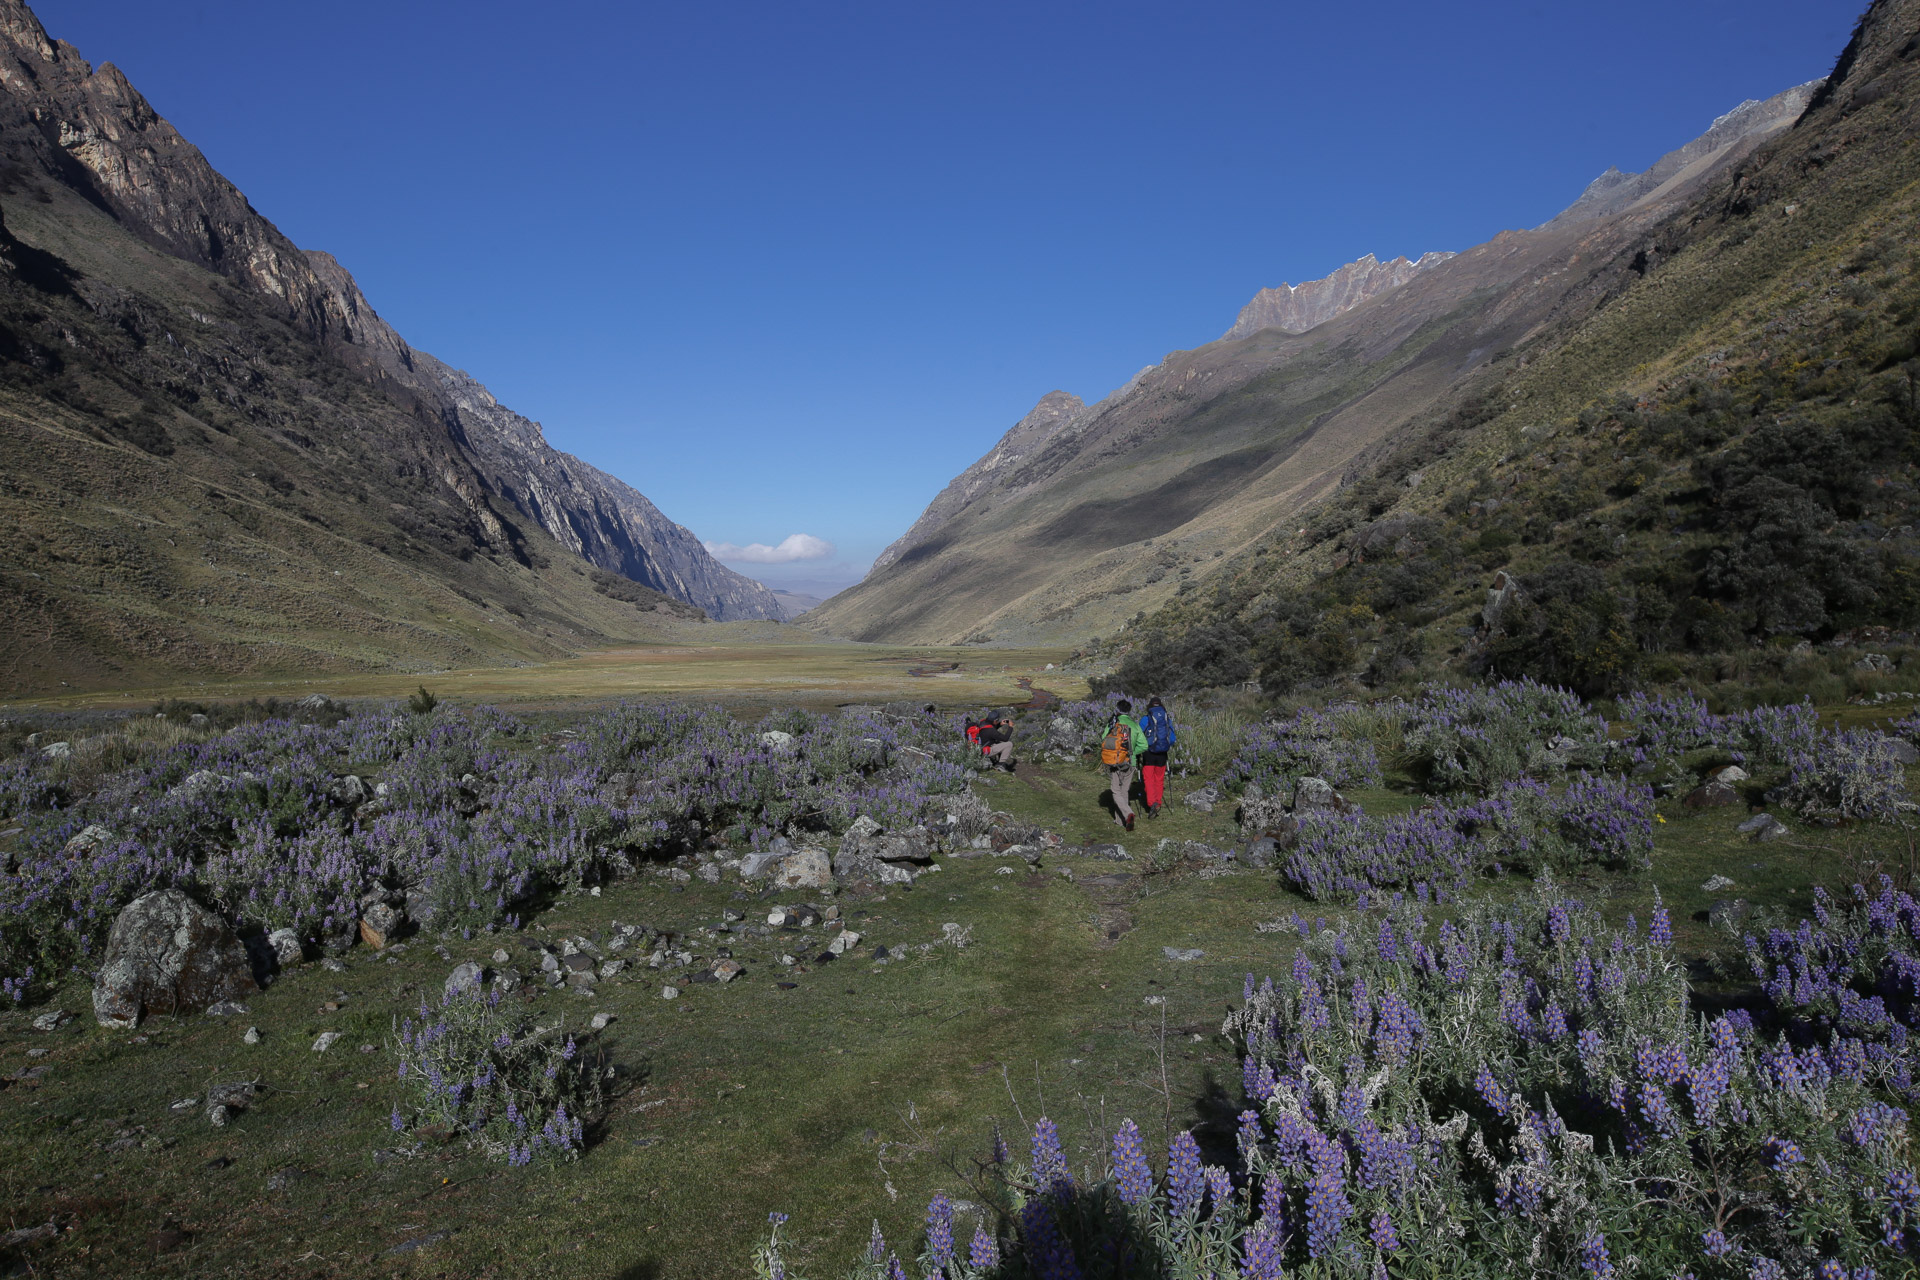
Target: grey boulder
column 168, row 954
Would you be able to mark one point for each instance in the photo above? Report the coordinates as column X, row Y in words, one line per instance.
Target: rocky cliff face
column 1297, row 308
column 93, row 132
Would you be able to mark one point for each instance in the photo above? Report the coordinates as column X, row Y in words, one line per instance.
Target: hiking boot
column 1127, row 822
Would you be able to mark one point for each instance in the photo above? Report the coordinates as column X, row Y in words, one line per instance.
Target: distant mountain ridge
column 94, row 132
column 1297, row 308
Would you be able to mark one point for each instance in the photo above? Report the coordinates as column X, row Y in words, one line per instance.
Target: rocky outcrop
column 168, row 954
column 93, row 132
column 1742, row 128
column 1045, row 420
column 1297, row 308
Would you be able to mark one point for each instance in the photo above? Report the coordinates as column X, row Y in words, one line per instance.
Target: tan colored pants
column 1001, row 753
column 1119, row 782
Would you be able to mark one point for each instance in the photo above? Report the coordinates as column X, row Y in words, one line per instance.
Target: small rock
column 286, row 947
column 776, row 739
column 600, row 1021
column 1318, row 794
column 333, row 964
column 1203, row 800
column 380, row 924
column 1774, row 830
column 466, row 977
column 728, row 970
column 91, row 840
column 1726, row 912
column 57, row 750
column 326, row 1041
column 218, row 1117
column 252, row 1036
column 1874, row 662
column 284, row 1179
column 52, row 1020
column 843, row 942
column 1003, row 871
column 183, row 1105
column 1712, row 796
column 236, row 1095
column 1903, row 751
column 1717, row 884
column 1065, row 873
column 1182, row 953
column 1731, row 774
column 507, row 981
column 226, row 1008
column 608, row 968
column 669, row 993
column 577, row 962
column 806, row 869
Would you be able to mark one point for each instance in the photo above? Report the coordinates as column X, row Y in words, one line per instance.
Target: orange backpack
column 1117, row 746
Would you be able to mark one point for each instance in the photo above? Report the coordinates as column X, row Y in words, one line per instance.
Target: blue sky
column 787, row 268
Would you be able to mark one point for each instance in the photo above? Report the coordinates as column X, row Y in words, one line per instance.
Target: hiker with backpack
column 1157, row 726
column 1119, row 749
column 996, row 739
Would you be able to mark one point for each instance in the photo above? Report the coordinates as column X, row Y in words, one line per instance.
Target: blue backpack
column 1158, row 726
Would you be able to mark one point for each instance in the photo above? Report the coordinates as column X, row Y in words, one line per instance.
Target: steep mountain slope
column 1709, row 478
column 162, row 341
column 1126, row 503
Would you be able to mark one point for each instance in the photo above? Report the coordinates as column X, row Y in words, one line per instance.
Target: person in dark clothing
column 1157, row 725
column 996, row 739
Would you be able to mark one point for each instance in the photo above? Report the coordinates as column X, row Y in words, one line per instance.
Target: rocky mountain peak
column 1616, row 191
column 1297, row 308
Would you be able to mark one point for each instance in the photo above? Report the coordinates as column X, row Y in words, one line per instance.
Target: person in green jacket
column 1120, row 751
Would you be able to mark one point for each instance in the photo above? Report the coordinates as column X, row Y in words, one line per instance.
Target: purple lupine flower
column 1715, row 1243
column 1327, row 1206
column 1219, row 1186
column 1593, row 1257
column 1264, row 1248
column 940, row 1229
column 1184, row 1180
column 1049, row 1161
column 1660, row 932
column 1382, row 1233
column 984, row 1251
column 1131, row 1175
column 876, row 1244
column 397, row 1122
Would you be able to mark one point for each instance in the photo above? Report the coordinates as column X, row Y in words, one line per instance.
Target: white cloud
column 798, row 546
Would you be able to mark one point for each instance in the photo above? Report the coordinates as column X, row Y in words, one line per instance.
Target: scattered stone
column 286, row 947
column 20, row 1237
column 1727, row 912
column 758, row 863
column 52, row 1020
column 168, row 954
column 1261, row 852
column 1065, row 873
column 234, row 1096
column 609, row 968
column 1713, row 795
column 333, row 964
column 731, row 916
column 199, row 785
column 600, row 1021
column 467, row 977
column 1874, row 662
column 500, row 955
column 43, row 1052
column 807, row 869
column 507, row 981
column 326, row 1041
column 1903, row 751
column 57, row 750
column 91, row 840
column 1717, row 884
column 728, row 970
column 843, row 942
column 252, row 1036
column 1003, row 871
column 1317, row 794
column 226, row 1008
column 1731, row 774
column 1182, row 954
column 418, row 1242
column 669, row 993
column 184, row 1105
column 576, row 962
column 348, row 791
column 1109, row 852
column 1774, row 830
column 380, row 924
column 1203, row 800
column 776, row 739
column 285, row 1179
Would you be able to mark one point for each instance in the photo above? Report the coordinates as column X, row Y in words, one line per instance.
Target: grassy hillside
column 1702, row 481
column 195, row 488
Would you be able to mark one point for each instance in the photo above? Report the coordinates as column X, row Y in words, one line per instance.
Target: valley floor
column 840, row 1095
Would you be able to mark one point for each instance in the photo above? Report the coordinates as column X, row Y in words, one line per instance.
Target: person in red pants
column 1157, row 725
